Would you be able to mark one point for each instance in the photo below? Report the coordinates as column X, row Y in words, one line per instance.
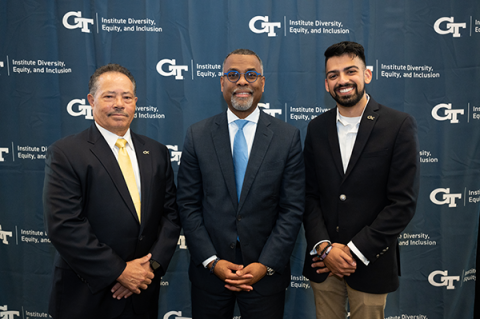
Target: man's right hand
column 339, row 262
column 226, row 270
column 137, row 275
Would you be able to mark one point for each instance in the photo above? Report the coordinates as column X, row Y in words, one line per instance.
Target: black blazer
column 380, row 188
column 92, row 222
column 267, row 218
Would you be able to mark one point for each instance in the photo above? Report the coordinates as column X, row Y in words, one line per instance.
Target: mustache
column 118, row 112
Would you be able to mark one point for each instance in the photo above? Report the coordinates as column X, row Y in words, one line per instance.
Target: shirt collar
column 112, row 138
column 339, row 117
column 253, row 117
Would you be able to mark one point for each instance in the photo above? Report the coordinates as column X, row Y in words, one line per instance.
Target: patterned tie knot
column 121, row 142
column 241, row 124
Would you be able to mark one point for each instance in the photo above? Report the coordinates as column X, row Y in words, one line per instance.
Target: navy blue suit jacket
column 92, row 222
column 380, row 188
column 268, row 216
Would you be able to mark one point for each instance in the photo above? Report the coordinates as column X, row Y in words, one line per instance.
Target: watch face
column 270, row 271
column 154, row 265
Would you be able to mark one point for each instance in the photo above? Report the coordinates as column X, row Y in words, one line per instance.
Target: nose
column 242, row 80
column 119, row 102
column 342, row 78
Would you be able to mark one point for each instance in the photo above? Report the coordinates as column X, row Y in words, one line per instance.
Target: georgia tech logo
column 450, row 114
column 268, row 110
column 4, row 234
column 451, row 27
column 175, row 153
column 445, row 279
column 447, row 197
column 83, row 109
column 182, row 242
column 80, row 23
column 4, row 314
column 174, row 69
column 169, row 315
column 3, row 150
column 267, row 27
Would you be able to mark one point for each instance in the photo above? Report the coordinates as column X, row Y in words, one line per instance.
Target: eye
column 251, row 75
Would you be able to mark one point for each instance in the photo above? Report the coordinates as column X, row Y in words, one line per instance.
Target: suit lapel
column 367, row 123
column 261, row 142
column 333, row 141
column 105, row 156
column 221, row 142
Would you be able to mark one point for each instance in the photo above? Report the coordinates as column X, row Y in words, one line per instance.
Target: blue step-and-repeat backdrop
column 424, row 56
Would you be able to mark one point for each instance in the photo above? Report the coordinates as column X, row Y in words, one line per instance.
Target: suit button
column 239, row 217
column 378, row 256
column 343, row 197
column 338, row 229
column 232, row 245
column 141, row 238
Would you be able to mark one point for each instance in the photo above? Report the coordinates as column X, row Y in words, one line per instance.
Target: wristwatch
column 155, row 265
column 270, row 271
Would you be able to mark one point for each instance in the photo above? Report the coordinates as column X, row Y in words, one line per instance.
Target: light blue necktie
column 240, row 156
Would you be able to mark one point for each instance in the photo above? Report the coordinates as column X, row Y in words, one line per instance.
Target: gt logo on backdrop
column 450, row 114
column 80, row 23
column 449, row 27
column 171, row 314
column 268, row 110
column 266, row 27
column 5, row 314
column 445, row 279
column 175, row 153
column 3, row 150
column 80, row 109
column 4, row 234
column 174, row 70
column 447, row 197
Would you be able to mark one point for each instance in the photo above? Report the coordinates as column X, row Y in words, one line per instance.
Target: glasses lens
column 233, row 76
column 251, row 76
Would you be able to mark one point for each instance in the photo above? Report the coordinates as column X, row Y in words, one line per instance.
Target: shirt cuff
column 357, row 253
column 209, row 260
column 314, row 250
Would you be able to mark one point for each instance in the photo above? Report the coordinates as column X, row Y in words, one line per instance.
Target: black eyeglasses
column 234, row 76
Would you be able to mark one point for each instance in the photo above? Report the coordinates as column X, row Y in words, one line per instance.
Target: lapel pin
column 370, row 118
column 146, row 152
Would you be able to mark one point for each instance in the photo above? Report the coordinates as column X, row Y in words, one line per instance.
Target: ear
column 221, row 82
column 326, row 86
column 368, row 76
column 263, row 83
column 91, row 100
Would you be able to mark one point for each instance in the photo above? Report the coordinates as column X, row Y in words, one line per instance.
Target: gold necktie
column 128, row 174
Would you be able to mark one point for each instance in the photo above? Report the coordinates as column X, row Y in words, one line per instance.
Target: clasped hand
column 339, row 262
column 137, row 275
column 238, row 277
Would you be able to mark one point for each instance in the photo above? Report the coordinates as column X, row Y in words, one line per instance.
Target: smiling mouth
column 242, row 94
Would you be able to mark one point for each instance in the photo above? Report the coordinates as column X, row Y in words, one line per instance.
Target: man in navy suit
column 362, row 168
column 114, row 233
column 241, row 226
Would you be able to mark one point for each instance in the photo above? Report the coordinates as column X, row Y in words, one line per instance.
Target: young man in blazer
column 241, row 200
column 362, row 172
column 115, row 227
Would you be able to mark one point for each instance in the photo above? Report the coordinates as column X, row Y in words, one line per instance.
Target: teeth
column 346, row 90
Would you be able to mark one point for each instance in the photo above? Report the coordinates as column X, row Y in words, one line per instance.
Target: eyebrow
column 345, row 69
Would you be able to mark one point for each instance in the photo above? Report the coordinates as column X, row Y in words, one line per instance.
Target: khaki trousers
column 331, row 301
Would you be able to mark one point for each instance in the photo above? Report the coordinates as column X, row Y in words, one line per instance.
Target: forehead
column 338, row 63
column 242, row 62
column 114, row 81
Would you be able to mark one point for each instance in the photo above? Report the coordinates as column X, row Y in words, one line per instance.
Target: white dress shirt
column 111, row 139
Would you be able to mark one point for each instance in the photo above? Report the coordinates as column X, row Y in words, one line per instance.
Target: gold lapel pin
column 146, row 152
column 370, row 118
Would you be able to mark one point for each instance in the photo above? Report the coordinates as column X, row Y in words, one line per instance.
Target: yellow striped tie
column 128, row 174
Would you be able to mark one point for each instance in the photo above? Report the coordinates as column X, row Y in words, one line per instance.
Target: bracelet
column 326, row 252
column 213, row 265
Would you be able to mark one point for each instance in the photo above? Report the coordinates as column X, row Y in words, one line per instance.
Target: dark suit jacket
column 92, row 222
column 380, row 188
column 267, row 218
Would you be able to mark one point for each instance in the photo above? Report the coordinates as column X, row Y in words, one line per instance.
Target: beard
column 242, row 104
column 351, row 100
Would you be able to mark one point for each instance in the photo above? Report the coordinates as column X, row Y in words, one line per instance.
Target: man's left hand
column 119, row 291
column 257, row 272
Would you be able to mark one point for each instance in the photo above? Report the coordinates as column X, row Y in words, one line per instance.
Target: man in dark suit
column 362, row 168
column 115, row 226
column 241, row 200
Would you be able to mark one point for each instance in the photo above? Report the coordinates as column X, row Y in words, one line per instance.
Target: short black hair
column 111, row 67
column 243, row 52
column 345, row 47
